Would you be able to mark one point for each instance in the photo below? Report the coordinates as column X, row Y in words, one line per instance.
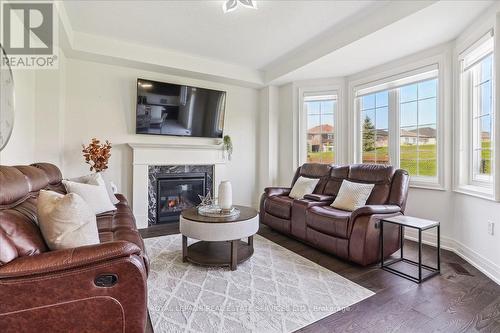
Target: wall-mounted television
column 179, row 110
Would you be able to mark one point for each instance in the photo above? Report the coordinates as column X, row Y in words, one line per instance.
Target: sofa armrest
column 274, row 191
column 319, row 197
column 375, row 209
column 54, row 261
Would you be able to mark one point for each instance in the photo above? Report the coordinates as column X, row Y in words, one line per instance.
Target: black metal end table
column 421, row 225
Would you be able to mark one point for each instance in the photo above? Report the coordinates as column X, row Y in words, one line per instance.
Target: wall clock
column 6, row 100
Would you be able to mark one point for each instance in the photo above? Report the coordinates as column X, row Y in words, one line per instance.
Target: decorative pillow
column 95, row 195
column 98, row 179
column 302, row 187
column 352, row 196
column 66, row 221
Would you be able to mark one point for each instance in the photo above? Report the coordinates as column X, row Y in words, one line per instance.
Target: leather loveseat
column 349, row 235
column 96, row 288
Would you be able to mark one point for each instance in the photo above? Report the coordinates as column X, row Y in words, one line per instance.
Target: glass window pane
column 486, row 68
column 368, row 102
column 485, row 98
column 408, row 150
column 368, row 117
column 313, row 123
column 312, row 107
column 382, row 99
column 408, row 93
column 369, row 145
column 408, row 114
column 382, row 118
column 327, row 122
column 482, row 128
column 485, row 123
column 327, row 107
column 320, row 131
column 427, row 111
column 484, row 161
column 427, row 89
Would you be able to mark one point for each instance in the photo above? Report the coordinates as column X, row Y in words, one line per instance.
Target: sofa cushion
column 66, row 221
column 380, row 175
column 337, row 175
column 352, row 195
column 303, row 186
column 279, row 206
column 96, row 196
column 329, row 220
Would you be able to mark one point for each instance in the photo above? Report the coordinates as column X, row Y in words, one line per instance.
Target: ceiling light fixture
column 230, row 5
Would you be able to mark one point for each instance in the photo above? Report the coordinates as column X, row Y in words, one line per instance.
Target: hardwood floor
column 461, row 299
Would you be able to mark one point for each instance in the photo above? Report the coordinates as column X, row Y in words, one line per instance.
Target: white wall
column 464, row 219
column 21, row 147
column 100, row 102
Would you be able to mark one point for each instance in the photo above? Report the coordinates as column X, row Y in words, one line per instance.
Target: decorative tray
column 216, row 211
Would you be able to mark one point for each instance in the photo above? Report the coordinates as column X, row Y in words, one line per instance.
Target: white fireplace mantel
column 146, row 154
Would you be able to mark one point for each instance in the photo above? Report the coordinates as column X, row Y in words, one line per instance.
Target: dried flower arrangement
column 97, row 154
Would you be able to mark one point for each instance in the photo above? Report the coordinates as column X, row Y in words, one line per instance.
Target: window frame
column 432, row 69
column 304, row 92
column 464, row 180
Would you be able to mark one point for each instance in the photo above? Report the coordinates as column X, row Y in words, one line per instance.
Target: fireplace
column 178, row 192
column 173, row 188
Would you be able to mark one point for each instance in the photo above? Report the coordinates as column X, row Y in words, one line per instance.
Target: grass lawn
column 427, row 164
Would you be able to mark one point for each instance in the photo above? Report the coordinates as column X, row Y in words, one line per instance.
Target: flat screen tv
column 179, row 110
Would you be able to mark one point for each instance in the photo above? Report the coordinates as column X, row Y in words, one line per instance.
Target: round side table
column 220, row 237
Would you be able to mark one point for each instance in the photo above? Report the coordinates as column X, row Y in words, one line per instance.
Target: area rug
column 275, row 290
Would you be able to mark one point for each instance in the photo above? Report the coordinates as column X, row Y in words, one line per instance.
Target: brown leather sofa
column 96, row 288
column 349, row 235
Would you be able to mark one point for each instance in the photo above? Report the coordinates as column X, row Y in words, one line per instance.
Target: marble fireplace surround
column 147, row 154
column 156, row 171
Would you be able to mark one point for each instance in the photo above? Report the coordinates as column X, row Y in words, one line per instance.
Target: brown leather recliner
column 349, row 235
column 96, row 288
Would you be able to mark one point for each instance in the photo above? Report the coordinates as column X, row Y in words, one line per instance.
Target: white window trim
column 302, row 137
column 463, row 181
column 393, row 80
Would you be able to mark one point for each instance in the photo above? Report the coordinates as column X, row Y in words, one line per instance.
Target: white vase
column 225, row 195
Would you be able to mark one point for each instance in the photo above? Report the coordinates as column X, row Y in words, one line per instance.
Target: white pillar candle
column 225, row 195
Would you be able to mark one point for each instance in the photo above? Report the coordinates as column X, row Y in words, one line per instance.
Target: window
column 320, row 110
column 482, row 108
column 418, row 128
column 398, row 122
column 477, row 117
column 375, row 128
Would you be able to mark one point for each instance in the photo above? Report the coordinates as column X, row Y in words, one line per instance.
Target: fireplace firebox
column 177, row 192
column 172, row 188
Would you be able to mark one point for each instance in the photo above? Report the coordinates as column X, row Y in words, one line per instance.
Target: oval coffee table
column 220, row 237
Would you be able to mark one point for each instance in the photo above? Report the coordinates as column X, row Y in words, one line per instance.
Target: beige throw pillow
column 302, row 187
column 95, row 196
column 66, row 221
column 98, row 179
column 352, row 196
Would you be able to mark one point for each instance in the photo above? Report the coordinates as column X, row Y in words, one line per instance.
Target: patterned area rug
column 275, row 290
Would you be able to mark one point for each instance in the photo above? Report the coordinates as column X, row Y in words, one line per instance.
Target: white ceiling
column 246, row 37
column 436, row 24
column 280, row 42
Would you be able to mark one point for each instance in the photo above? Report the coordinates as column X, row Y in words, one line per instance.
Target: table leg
column 234, row 254
column 439, row 248
column 419, row 255
column 184, row 248
column 381, row 243
column 250, row 241
column 402, row 235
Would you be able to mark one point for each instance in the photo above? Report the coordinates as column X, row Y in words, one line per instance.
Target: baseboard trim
column 484, row 265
